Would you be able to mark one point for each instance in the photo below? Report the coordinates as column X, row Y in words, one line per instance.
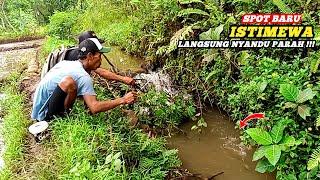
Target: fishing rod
column 114, row 69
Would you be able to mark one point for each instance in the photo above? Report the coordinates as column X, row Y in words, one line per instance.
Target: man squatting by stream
column 67, row 80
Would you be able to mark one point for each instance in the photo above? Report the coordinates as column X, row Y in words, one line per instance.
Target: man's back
column 53, row 78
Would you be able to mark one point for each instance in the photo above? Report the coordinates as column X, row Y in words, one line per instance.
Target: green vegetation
column 159, row 110
column 83, row 146
column 282, row 83
column 104, row 146
column 239, row 81
column 15, row 123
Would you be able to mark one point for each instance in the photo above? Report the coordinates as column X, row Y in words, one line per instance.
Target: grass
column 8, row 36
column 104, row 146
column 14, row 128
column 81, row 146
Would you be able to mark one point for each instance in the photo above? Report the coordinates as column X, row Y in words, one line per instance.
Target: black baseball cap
column 92, row 45
column 88, row 34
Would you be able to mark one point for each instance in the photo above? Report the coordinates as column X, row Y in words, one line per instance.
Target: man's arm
column 96, row 106
column 113, row 76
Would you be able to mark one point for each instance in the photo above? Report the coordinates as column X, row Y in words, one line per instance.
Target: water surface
column 216, row 149
column 123, row 61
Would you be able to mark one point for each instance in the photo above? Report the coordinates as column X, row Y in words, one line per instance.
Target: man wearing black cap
column 73, row 55
column 67, row 80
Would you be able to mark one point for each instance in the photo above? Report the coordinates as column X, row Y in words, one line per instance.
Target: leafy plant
column 212, row 34
column 61, row 24
column 189, row 11
column 201, row 123
column 160, row 110
column 293, row 94
column 282, row 6
column 179, row 35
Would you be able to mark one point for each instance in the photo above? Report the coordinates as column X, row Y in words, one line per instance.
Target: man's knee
column 67, row 84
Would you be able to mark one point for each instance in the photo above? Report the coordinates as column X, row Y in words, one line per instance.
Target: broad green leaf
column 305, row 95
column 304, row 111
column 290, row 105
column 75, row 168
column 277, row 132
column 263, row 166
column 108, row 159
column 289, row 92
column 259, row 153
column 289, row 177
column 206, row 35
column 261, row 136
column 217, row 32
column 117, row 155
column 273, row 153
column 263, row 86
column 289, row 141
column 117, row 164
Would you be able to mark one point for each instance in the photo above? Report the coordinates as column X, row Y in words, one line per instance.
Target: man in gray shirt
column 59, row 88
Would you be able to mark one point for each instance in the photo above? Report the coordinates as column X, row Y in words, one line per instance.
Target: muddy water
column 216, row 149
column 122, row 61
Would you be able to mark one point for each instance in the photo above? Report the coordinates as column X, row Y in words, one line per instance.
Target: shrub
column 61, row 24
column 162, row 111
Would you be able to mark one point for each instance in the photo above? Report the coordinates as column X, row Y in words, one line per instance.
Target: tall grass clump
column 14, row 126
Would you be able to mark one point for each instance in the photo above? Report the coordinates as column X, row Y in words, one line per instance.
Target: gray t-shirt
column 48, row 84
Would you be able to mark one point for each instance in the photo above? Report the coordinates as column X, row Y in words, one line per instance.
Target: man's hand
column 112, row 76
column 129, row 98
column 128, row 80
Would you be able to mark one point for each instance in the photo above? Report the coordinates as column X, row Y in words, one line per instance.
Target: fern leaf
column 188, row 11
column 282, row 6
column 190, row 1
column 314, row 65
column 314, row 160
column 318, row 121
column 179, row 35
